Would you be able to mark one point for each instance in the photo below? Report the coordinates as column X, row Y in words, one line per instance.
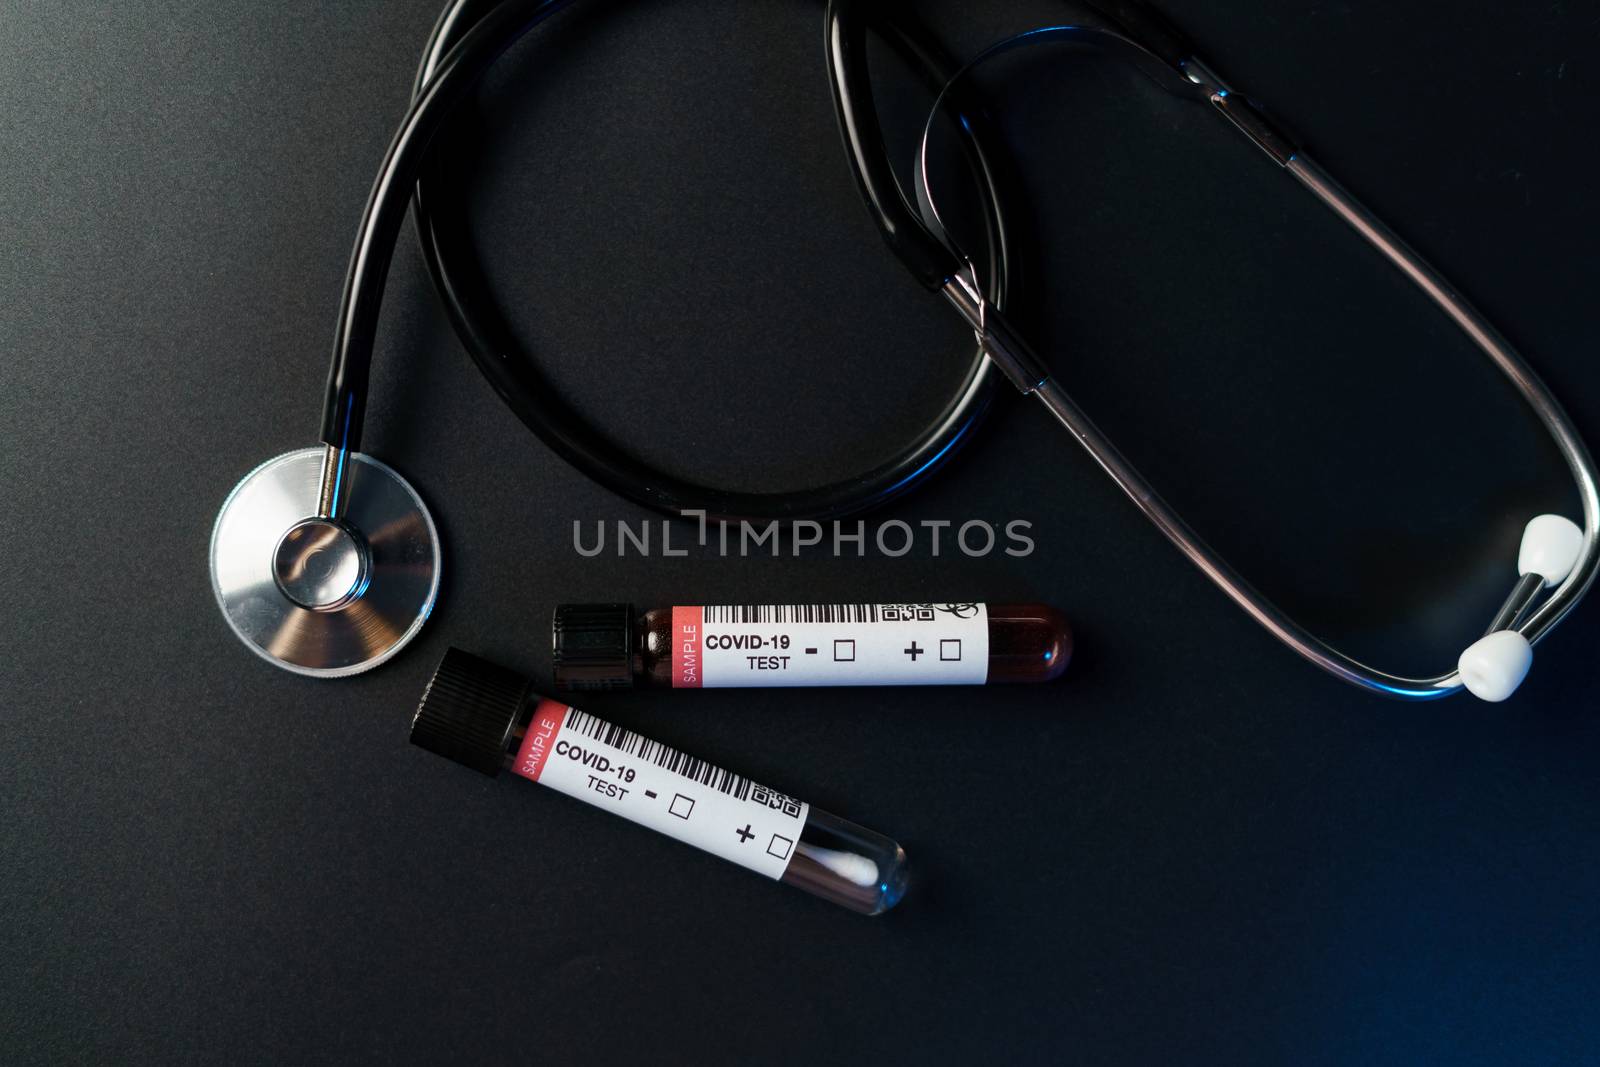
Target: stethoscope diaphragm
column 320, row 596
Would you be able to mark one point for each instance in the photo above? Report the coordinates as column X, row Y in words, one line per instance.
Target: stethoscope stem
column 332, row 484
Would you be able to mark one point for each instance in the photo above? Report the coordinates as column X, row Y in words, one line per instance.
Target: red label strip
column 687, row 626
column 540, row 739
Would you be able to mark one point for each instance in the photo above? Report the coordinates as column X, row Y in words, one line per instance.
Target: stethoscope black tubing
column 908, row 231
column 344, row 408
column 469, row 36
column 927, row 257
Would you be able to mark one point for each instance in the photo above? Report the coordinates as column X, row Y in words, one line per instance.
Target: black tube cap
column 592, row 646
column 468, row 711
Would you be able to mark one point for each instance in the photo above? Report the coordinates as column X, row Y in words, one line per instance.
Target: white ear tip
column 1550, row 546
column 1494, row 665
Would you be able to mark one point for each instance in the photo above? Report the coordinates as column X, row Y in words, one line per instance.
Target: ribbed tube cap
column 468, row 710
column 592, row 646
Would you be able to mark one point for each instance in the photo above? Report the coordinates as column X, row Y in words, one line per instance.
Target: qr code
column 908, row 613
column 775, row 800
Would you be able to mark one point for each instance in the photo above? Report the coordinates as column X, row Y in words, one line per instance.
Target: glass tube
column 610, row 646
column 488, row 718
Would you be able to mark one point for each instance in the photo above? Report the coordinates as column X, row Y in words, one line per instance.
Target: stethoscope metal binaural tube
column 1170, row 65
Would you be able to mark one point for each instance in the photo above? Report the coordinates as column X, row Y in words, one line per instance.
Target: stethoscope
column 326, row 562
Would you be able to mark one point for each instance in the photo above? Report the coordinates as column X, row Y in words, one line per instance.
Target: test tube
column 610, row 646
column 488, row 718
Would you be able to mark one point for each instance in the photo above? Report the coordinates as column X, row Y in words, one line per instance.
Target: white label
column 830, row 644
column 630, row 775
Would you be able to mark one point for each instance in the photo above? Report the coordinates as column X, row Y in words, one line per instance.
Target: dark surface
column 1192, row 849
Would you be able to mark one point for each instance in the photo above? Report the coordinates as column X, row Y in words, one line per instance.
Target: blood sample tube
column 488, row 718
column 610, row 646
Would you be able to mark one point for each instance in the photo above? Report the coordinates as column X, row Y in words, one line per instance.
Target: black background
column 1194, row 848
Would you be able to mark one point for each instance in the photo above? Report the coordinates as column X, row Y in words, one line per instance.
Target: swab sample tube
column 610, row 646
column 488, row 718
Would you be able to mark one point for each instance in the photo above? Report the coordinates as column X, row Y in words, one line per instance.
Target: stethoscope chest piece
column 320, row 596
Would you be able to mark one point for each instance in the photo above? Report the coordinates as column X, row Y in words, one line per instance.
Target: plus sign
column 914, row 651
column 745, row 834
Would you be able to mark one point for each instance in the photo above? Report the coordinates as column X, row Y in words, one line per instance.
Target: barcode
column 661, row 755
column 794, row 613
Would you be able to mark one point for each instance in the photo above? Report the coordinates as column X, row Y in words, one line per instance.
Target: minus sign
column 811, row 652
column 651, row 793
